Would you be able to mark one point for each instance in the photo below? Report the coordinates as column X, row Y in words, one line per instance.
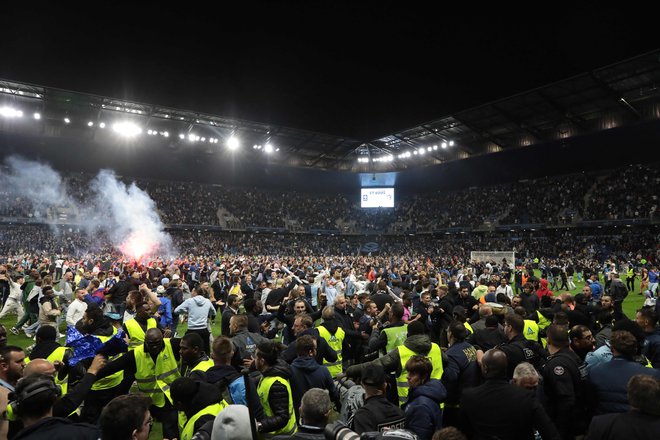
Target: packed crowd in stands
column 626, row 193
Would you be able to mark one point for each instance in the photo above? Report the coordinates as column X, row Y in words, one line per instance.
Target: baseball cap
column 164, row 281
column 160, row 289
column 374, row 375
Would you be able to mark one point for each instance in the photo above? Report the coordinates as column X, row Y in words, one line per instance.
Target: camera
column 339, row 431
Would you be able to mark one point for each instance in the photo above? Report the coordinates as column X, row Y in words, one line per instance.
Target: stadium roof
column 613, row 96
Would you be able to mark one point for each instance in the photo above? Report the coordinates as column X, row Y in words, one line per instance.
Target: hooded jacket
column 306, row 373
column 423, row 413
column 543, row 290
column 198, row 309
column 278, row 398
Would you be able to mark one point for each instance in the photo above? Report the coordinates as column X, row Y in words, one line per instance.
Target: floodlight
column 233, row 143
column 451, row 143
column 67, row 120
column 268, row 148
column 90, row 124
column 127, row 129
column 444, row 145
column 102, row 125
column 9, row 112
column 37, row 116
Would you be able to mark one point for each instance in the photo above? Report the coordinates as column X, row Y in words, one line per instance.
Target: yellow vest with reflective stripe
column 631, row 273
column 435, row 355
column 335, row 342
column 531, row 330
column 543, row 321
column 136, row 333
column 58, row 355
column 189, row 429
column 201, row 366
column 154, row 379
column 468, row 327
column 114, row 379
column 395, row 336
column 263, row 389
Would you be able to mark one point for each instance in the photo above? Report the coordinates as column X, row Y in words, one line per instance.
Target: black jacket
column 518, row 350
column 278, row 399
column 461, row 370
column 479, row 420
column 119, row 291
column 376, row 414
column 632, row 425
column 56, row 428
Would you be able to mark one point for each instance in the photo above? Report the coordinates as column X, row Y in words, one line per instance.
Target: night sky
column 362, row 71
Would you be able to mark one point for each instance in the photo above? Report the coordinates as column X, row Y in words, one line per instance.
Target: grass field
column 633, row 302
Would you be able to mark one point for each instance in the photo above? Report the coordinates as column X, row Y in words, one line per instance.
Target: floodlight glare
column 444, row 145
column 422, row 151
column 233, row 143
column 268, row 148
column 9, row 112
column 182, row 136
column 67, row 120
column 191, row 137
column 102, row 125
column 37, row 116
column 435, row 147
column 166, row 134
column 429, row 149
column 451, row 143
column 127, row 129
column 90, row 124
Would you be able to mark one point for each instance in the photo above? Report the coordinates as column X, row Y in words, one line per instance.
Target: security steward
column 104, row 390
column 155, row 366
column 417, row 343
column 335, row 337
column 48, row 348
column 563, row 385
column 136, row 328
column 193, row 358
column 392, row 335
column 199, row 402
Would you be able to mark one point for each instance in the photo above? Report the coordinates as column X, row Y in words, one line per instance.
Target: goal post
column 493, row 256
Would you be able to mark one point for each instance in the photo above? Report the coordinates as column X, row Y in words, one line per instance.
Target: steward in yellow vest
column 155, row 366
column 274, row 392
column 193, row 358
column 417, row 343
column 104, row 390
column 335, row 337
column 47, row 348
column 135, row 328
column 198, row 403
column 392, row 335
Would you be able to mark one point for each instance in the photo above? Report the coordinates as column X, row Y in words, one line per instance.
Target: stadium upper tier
column 627, row 195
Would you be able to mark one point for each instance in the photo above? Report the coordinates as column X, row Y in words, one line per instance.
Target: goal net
column 493, row 257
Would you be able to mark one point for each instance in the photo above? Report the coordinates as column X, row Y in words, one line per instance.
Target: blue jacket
column 600, row 356
column 165, row 312
column 460, row 371
column 651, row 348
column 306, row 373
column 423, row 413
column 610, row 383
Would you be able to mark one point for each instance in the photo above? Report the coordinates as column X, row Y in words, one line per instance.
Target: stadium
column 154, row 241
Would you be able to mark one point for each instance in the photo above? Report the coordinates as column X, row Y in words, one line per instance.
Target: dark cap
column 374, row 375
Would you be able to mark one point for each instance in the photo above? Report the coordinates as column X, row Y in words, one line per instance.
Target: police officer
column 563, row 384
column 517, row 348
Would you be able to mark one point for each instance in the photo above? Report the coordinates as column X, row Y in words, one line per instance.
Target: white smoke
column 126, row 215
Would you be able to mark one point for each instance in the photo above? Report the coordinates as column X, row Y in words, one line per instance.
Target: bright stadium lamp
column 127, row 129
column 9, row 112
column 233, row 143
column 268, row 148
column 444, row 145
column 37, row 116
